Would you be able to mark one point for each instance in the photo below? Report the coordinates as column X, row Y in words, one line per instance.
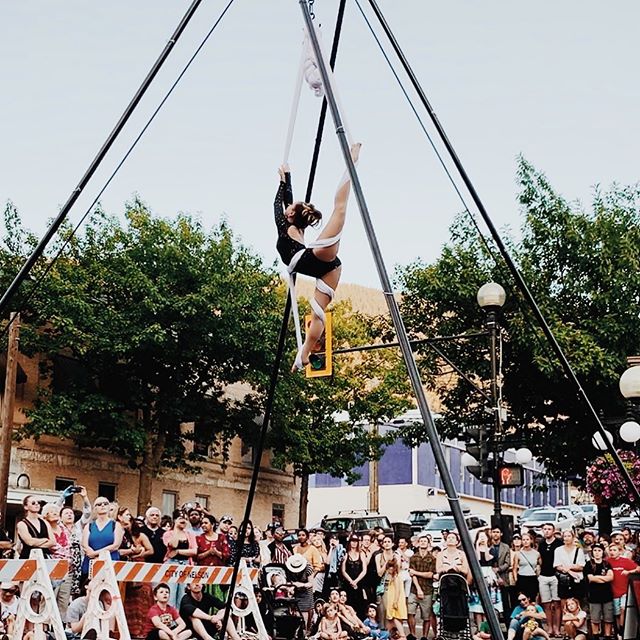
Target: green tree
column 329, row 425
column 143, row 327
column 583, row 269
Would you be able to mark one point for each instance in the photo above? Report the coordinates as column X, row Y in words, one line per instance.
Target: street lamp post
column 491, row 297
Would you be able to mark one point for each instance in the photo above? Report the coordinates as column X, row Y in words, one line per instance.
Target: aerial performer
column 317, row 259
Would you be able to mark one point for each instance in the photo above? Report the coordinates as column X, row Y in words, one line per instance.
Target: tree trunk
column 604, row 520
column 145, row 481
column 304, row 500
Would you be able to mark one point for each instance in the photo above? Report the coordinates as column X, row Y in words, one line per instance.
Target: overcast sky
column 555, row 81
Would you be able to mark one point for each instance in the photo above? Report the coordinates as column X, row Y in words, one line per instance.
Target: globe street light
column 630, row 389
column 630, row 431
column 598, row 441
column 491, row 297
column 524, row 455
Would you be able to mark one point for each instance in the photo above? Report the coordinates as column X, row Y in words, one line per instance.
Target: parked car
column 561, row 519
column 590, row 514
column 420, row 518
column 356, row 521
column 446, row 523
column 526, row 514
column 576, row 512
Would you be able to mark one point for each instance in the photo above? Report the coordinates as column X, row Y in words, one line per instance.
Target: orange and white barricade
column 107, row 573
column 37, row 603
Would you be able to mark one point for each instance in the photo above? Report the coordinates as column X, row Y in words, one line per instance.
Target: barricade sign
column 21, row 570
column 171, row 572
column 105, row 605
column 37, row 603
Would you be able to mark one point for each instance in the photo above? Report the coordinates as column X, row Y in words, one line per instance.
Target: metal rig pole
column 405, row 346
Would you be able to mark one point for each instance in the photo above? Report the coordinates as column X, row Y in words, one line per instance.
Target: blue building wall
column 395, row 468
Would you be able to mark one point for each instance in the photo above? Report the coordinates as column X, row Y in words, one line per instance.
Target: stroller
column 453, row 618
column 288, row 623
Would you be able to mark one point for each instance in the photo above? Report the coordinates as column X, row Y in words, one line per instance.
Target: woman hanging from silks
column 318, row 259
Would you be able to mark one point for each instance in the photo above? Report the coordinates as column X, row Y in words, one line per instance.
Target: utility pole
column 8, row 403
column 374, row 487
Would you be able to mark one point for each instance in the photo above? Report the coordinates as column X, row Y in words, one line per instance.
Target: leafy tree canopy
column 583, row 269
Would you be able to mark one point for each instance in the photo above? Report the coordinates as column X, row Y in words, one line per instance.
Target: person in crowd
column 394, row 602
column 452, row 559
column 124, row 517
column 266, row 613
column 630, row 543
column 369, row 546
column 568, row 561
column 526, row 567
column 311, row 553
column 521, row 613
column 317, row 540
column 196, row 609
column 599, row 576
column 249, row 549
column 373, row 626
column 422, row 569
column 62, row 551
column 547, row 581
column 6, row 544
column 351, row 622
column 138, row 595
column 163, row 620
column 154, row 532
column 354, row 571
column 621, row 568
column 74, row 530
column 232, row 534
column 487, row 561
column 33, row 531
column 9, row 598
column 335, row 557
column 280, row 551
column 618, row 538
column 501, row 554
column 574, row 620
column 330, row 627
column 78, row 610
column 213, row 549
column 515, row 546
column 404, row 552
column 102, row 533
column 181, row 549
column 166, row 523
column 316, row 617
column 532, row 627
column 586, row 541
column 300, row 575
column 265, row 540
column 195, row 520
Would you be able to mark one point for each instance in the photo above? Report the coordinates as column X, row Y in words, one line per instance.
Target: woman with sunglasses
column 33, row 531
column 321, row 261
column 520, row 615
column 102, row 533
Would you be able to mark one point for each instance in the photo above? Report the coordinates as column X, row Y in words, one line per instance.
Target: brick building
column 45, row 467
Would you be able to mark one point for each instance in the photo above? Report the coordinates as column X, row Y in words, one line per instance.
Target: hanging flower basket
column 605, row 483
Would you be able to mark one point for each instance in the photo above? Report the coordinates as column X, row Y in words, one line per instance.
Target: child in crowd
column 574, row 620
column 531, row 627
column 371, row 622
column 330, row 628
column 163, row 620
column 484, row 632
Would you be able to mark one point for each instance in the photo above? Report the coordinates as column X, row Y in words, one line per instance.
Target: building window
column 277, row 513
column 107, row 490
column 169, row 502
column 203, row 501
column 201, row 439
column 60, row 485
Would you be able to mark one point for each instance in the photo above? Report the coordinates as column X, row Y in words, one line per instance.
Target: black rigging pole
column 517, row 276
column 403, row 339
column 95, row 163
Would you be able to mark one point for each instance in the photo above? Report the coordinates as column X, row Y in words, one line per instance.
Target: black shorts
column 310, row 265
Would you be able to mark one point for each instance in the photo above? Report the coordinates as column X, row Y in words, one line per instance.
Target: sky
column 553, row 81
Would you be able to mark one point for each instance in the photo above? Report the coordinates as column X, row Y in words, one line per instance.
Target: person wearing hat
column 280, row 550
column 9, row 598
column 223, row 530
column 299, row 574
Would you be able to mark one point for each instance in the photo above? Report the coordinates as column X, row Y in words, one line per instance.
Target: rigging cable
column 513, row 269
column 279, row 351
column 133, row 145
column 95, row 163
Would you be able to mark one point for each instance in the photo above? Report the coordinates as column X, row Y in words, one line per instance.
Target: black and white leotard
column 308, row 264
